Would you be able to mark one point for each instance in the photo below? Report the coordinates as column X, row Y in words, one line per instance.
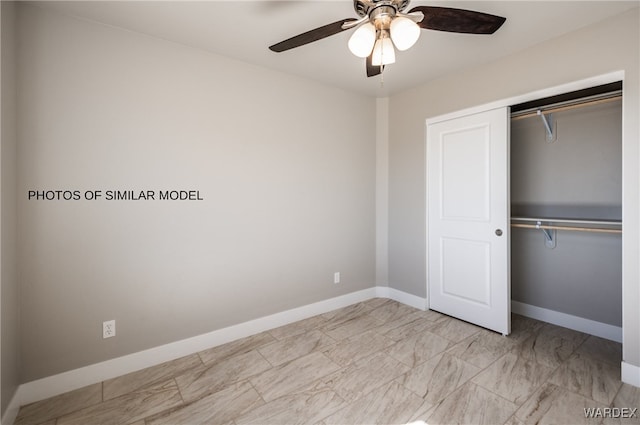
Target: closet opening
column 566, row 210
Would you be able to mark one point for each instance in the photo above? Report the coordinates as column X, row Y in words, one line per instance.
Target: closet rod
column 592, row 100
column 580, row 229
column 568, row 221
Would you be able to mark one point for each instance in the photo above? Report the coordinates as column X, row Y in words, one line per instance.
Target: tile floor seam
column 344, row 404
column 167, row 411
column 595, row 402
column 200, row 356
column 282, row 366
column 256, row 390
column 534, row 390
column 266, row 359
column 407, row 388
column 490, row 364
column 265, row 402
column 179, row 392
column 363, row 395
column 248, row 377
column 510, row 418
column 415, row 364
column 577, row 393
column 205, row 393
column 616, row 396
column 581, row 344
column 197, row 353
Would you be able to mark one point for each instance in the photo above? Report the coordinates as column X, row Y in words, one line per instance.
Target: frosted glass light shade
column 383, row 52
column 362, row 41
column 404, row 32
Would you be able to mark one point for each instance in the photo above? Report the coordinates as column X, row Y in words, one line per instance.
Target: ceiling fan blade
column 373, row 70
column 310, row 36
column 458, row 20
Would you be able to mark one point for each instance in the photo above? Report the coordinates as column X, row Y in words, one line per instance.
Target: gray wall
column 578, row 176
column 286, row 167
column 9, row 291
column 581, row 276
column 612, row 45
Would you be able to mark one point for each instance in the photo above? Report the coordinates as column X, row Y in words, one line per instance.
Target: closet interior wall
column 578, row 176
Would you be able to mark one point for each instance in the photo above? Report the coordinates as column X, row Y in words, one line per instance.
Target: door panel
column 468, row 218
column 477, row 269
column 465, row 165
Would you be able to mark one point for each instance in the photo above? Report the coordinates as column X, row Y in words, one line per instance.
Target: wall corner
column 382, row 191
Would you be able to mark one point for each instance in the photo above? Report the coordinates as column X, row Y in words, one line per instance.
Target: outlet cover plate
column 108, row 329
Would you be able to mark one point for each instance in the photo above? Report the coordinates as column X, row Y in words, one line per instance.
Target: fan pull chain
column 381, row 76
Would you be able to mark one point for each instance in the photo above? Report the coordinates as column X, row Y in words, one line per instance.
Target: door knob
column 499, row 232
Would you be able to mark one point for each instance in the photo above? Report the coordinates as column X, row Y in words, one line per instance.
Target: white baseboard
column 631, row 374
column 67, row 381
column 402, row 297
column 602, row 330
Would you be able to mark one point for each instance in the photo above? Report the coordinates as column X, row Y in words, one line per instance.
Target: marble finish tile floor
column 375, row 362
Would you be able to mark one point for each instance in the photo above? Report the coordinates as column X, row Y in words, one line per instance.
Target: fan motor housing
column 363, row 7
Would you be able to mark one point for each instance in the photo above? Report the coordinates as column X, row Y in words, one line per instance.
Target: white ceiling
column 244, row 29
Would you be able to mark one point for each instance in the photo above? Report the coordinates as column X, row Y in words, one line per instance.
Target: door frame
column 627, row 372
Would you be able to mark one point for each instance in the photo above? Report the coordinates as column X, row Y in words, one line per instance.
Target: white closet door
column 468, row 218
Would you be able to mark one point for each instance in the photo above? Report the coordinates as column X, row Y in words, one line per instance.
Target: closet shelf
column 596, row 226
column 568, row 105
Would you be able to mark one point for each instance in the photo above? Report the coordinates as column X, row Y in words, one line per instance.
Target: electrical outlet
column 108, row 329
column 336, row 277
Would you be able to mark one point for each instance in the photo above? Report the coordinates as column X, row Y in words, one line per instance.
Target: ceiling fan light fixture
column 383, row 52
column 404, row 32
column 383, row 26
column 362, row 41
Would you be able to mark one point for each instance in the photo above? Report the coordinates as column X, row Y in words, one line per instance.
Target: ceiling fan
column 383, row 24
